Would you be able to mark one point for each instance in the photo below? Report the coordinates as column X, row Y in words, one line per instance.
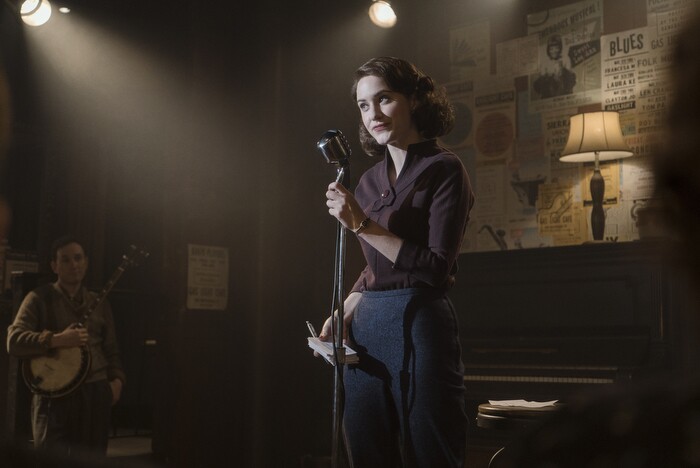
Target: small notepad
column 325, row 349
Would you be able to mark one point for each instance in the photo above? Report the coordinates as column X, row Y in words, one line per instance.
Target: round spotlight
column 382, row 14
column 35, row 12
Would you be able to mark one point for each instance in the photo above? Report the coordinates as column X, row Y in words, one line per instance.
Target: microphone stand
column 338, row 347
column 335, row 150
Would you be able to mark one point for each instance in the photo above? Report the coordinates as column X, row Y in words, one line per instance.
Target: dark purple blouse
column 428, row 208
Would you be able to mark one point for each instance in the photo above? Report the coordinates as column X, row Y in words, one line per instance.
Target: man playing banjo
column 53, row 320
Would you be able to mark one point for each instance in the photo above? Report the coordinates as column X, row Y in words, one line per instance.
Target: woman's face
column 385, row 113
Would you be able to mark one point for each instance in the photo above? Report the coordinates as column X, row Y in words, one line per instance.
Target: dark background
column 164, row 124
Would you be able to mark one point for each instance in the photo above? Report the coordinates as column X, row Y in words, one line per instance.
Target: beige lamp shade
column 595, row 132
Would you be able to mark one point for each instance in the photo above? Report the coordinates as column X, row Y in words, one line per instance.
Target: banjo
column 62, row 370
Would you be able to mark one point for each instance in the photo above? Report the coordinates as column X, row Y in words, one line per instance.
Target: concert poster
column 207, row 277
column 569, row 55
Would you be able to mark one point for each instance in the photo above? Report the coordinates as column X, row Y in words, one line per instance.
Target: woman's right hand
column 349, row 307
column 72, row 336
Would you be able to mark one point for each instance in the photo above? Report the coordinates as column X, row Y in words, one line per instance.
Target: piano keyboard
column 537, row 379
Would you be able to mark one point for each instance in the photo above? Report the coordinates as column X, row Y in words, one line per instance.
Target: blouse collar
column 416, row 161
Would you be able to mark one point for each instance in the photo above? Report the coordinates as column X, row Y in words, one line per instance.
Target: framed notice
column 207, row 277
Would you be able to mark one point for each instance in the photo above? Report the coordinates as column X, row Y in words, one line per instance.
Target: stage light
column 382, row 14
column 35, row 12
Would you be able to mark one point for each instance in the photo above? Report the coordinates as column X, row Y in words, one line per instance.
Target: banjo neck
column 99, row 299
column 128, row 260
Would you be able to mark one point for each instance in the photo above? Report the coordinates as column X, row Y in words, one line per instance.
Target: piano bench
column 509, row 420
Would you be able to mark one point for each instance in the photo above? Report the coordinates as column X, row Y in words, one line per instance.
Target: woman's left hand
column 343, row 206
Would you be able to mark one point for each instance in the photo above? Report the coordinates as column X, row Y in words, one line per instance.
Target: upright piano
column 545, row 324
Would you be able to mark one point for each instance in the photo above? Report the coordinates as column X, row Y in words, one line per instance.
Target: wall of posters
column 512, row 119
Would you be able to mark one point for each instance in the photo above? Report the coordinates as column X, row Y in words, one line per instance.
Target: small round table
column 510, row 419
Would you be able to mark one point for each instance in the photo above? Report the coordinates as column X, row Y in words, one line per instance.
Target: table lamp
column 595, row 136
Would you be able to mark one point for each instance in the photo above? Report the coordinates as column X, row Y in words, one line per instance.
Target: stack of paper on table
column 523, row 403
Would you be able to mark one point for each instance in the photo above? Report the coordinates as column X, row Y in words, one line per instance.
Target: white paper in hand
column 325, row 349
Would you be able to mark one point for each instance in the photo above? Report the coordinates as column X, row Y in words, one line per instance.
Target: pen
column 312, row 330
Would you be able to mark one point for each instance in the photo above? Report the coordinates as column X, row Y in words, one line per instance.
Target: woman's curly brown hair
column 433, row 114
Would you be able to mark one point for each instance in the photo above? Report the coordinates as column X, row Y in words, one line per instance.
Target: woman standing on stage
column 404, row 401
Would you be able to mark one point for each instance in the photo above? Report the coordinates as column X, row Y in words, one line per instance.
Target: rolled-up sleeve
column 448, row 213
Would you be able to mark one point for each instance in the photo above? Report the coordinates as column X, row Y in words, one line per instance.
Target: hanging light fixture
column 35, row 12
column 382, row 14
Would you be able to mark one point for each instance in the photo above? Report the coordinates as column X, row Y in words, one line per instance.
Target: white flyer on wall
column 470, row 51
column 635, row 84
column 569, row 55
column 669, row 16
column 517, row 57
column 207, row 277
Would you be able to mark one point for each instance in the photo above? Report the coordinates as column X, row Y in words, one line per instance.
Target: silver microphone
column 334, row 147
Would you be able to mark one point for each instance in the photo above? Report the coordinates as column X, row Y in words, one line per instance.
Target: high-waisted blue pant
column 404, row 401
